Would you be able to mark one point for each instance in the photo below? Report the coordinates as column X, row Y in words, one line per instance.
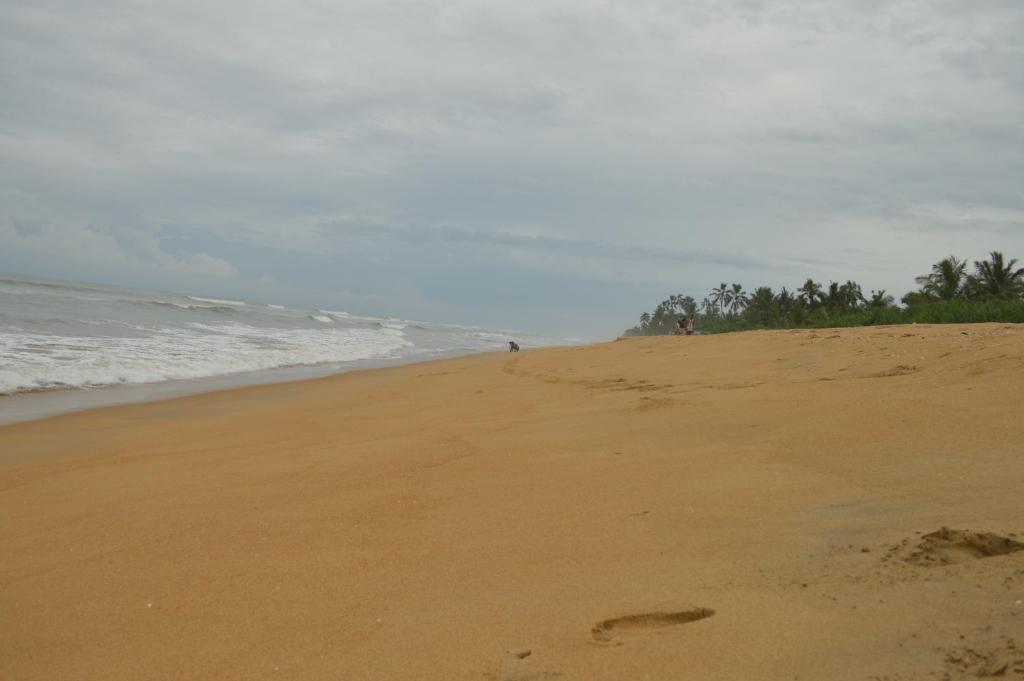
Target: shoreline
column 837, row 504
column 32, row 405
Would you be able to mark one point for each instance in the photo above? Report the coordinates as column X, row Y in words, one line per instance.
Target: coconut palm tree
column 995, row 278
column 708, row 307
column 832, row 298
column 851, row 297
column 810, row 293
column 762, row 308
column 720, row 297
column 946, row 280
column 881, row 299
column 784, row 302
column 843, row 297
column 737, row 299
column 661, row 313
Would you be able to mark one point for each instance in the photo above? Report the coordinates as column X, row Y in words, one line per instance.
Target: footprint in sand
column 606, row 630
column 654, row 403
column 951, row 547
column 899, row 370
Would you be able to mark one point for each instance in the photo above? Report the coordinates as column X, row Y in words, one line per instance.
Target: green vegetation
column 993, row 292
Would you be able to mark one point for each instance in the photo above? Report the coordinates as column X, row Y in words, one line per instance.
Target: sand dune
column 772, row 505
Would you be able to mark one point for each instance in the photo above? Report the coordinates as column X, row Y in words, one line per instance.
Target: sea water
column 67, row 336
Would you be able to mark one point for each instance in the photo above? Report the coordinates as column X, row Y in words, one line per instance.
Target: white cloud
column 75, row 246
column 796, row 138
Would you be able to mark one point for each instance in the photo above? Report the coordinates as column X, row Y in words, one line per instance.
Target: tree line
column 992, row 291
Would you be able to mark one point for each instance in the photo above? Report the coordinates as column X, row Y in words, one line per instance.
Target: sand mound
column 950, row 547
column 998, row 661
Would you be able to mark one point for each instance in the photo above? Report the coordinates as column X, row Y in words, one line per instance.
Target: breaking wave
column 55, row 335
column 216, row 301
column 193, row 351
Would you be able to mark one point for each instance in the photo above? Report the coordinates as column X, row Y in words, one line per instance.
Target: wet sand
column 28, row 406
column 764, row 505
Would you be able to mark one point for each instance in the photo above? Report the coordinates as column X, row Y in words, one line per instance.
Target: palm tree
column 843, row 297
column 784, row 302
column 946, row 280
column 832, row 298
column 719, row 297
column 762, row 307
column 663, row 310
column 916, row 298
column 851, row 297
column 995, row 279
column 737, row 299
column 881, row 299
column 810, row 293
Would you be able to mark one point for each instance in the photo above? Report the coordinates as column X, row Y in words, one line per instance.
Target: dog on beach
column 513, row 346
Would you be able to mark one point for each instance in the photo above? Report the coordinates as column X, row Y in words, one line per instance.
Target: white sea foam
column 57, row 335
column 30, row 361
column 186, row 306
column 489, row 336
column 216, row 301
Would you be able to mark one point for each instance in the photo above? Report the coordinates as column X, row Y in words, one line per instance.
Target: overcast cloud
column 553, row 166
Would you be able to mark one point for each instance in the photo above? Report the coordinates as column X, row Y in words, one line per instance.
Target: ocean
column 60, row 336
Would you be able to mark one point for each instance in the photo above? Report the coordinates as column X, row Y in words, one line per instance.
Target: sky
column 557, row 166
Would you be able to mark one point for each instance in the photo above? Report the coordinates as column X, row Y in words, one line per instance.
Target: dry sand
column 750, row 506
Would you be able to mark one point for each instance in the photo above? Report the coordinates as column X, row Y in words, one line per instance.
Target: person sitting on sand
column 680, row 328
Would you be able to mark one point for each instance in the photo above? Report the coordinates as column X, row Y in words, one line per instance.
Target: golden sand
column 762, row 505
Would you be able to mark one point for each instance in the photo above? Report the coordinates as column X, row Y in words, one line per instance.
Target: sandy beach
column 764, row 505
